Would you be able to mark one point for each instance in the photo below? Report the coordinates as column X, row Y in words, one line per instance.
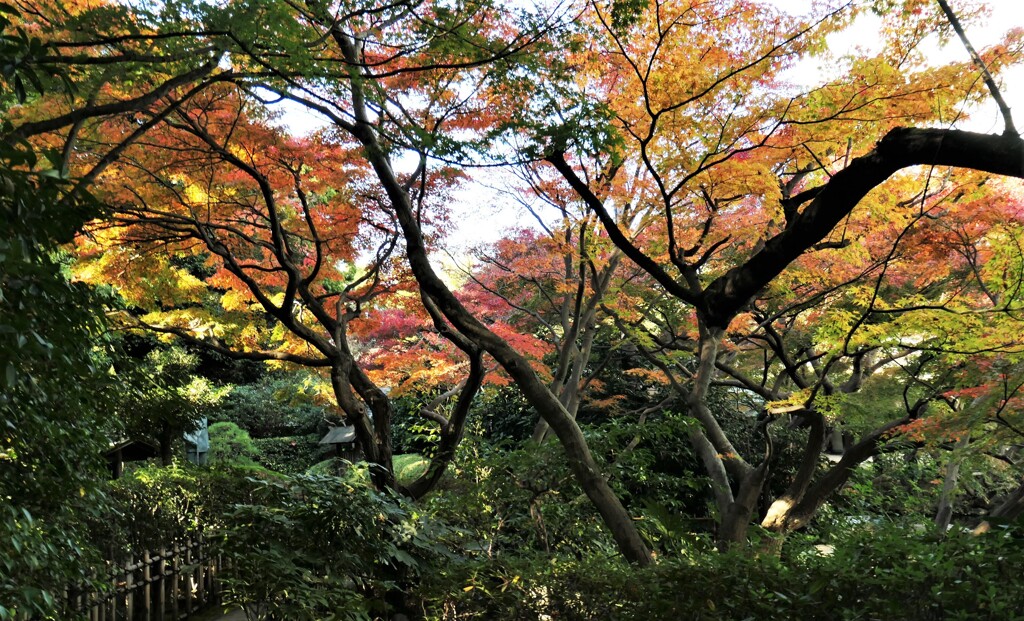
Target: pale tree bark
column 795, row 513
column 578, row 320
column 944, row 511
column 1011, row 507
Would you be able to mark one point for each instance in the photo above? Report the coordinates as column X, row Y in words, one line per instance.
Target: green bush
column 53, row 389
column 280, row 404
column 289, row 454
column 155, row 506
column 318, row 547
column 231, row 447
column 881, row 573
column 507, row 501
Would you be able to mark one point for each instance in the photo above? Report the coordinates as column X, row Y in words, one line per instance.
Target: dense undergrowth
column 508, row 538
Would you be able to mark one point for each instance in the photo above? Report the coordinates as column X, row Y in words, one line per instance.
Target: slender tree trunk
column 618, row 521
column 376, row 448
column 720, row 458
column 166, row 439
column 944, row 512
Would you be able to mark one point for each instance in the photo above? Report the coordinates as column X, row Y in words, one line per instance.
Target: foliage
column 52, row 389
column 875, row 573
column 153, row 507
column 289, row 454
column 409, row 466
column 231, row 447
column 504, row 416
column 316, row 548
column 731, row 191
column 412, row 433
column 656, row 472
column 279, row 404
column 506, row 500
column 162, row 396
column 331, row 466
column 770, row 242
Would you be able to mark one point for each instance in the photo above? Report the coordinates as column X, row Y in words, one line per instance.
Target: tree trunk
column 790, row 515
column 451, row 431
column 780, row 508
column 944, row 512
column 739, row 515
column 1011, row 508
column 581, row 462
column 165, row 438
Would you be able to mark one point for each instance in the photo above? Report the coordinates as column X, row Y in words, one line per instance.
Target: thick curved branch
column 615, row 233
column 452, row 431
column 118, row 107
column 900, row 148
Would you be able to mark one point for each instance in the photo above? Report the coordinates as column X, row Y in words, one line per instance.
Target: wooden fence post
column 189, row 577
column 204, row 569
column 161, row 590
column 139, row 587
column 147, row 590
column 129, row 589
column 175, row 579
column 94, row 613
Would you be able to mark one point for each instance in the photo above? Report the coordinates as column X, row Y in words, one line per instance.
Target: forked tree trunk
column 1010, row 508
column 792, row 513
column 618, row 521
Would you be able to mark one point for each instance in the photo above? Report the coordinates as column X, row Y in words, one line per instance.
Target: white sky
column 1005, row 15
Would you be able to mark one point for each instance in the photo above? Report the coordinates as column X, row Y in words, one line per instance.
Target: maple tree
column 745, row 192
column 543, row 292
column 278, row 233
column 388, row 79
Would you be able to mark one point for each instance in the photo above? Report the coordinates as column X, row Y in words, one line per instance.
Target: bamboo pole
column 147, row 602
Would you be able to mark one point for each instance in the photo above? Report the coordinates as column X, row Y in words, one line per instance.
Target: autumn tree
column 667, row 114
column 543, row 291
column 749, row 188
column 278, row 223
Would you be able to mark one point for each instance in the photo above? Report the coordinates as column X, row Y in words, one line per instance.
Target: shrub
column 153, row 506
column 289, row 454
column 880, row 573
column 281, row 404
column 317, row 547
column 231, row 447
